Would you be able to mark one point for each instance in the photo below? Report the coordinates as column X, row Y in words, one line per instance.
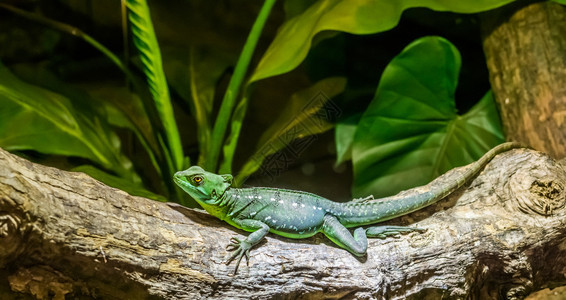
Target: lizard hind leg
column 342, row 237
column 386, row 231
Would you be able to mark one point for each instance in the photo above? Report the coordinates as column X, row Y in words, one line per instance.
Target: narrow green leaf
column 306, row 114
column 410, row 132
column 146, row 43
column 293, row 41
column 229, row 149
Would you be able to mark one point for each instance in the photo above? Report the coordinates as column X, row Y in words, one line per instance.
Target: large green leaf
column 33, row 118
column 293, row 41
column 411, row 133
column 146, row 43
column 307, row 113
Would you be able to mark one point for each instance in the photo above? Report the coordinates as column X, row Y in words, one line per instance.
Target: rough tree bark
column 525, row 49
column 65, row 234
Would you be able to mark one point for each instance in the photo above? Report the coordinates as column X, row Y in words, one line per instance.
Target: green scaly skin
column 296, row 214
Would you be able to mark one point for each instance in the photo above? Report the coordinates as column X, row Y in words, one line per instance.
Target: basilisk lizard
column 297, row 214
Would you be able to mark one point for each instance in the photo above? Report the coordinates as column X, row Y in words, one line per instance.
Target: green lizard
column 297, row 214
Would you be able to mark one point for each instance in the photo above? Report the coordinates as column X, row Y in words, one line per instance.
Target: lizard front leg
column 242, row 248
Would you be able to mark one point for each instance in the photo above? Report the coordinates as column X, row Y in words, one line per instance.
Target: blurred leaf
column 194, row 76
column 410, row 132
column 563, row 2
column 66, row 28
column 293, row 41
column 146, row 43
column 307, row 113
column 229, row 100
column 344, row 136
column 119, row 183
column 115, row 103
column 33, row 118
column 130, row 115
column 294, row 8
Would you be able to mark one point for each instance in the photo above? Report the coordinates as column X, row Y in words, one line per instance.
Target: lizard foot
column 241, row 248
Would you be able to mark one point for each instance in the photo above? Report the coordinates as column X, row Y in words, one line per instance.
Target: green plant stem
column 231, row 94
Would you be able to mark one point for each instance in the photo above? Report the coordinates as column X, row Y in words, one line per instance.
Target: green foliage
column 229, row 100
column 414, row 102
column 55, row 126
column 153, row 123
column 295, row 36
column 194, row 77
column 411, row 133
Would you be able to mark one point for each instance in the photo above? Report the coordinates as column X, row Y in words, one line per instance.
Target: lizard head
column 205, row 187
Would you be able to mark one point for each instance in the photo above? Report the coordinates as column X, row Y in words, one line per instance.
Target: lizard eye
column 198, row 179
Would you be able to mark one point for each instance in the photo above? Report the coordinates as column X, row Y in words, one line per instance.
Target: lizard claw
column 234, row 243
column 241, row 248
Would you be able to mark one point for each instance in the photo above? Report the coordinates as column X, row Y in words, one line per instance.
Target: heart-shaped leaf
column 411, row 133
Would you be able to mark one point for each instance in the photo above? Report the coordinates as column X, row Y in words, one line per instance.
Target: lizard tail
column 367, row 212
column 475, row 167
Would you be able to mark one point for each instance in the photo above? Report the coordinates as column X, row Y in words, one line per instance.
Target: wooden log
column 64, row 234
column 524, row 45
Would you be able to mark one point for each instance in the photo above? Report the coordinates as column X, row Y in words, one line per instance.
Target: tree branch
column 66, row 234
